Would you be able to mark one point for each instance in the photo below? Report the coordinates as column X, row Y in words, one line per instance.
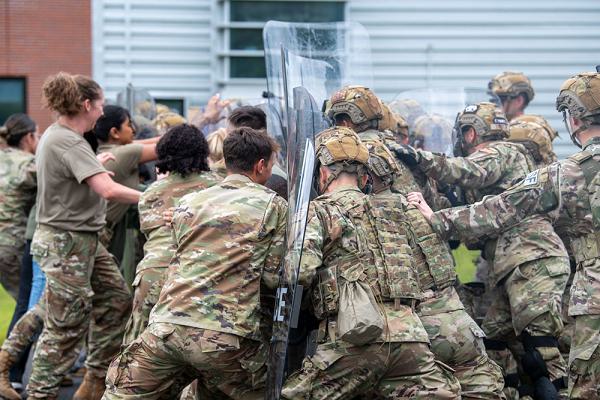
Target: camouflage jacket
column 561, row 191
column 158, row 198
column 489, row 171
column 230, row 242
column 336, row 239
column 406, row 180
column 18, row 187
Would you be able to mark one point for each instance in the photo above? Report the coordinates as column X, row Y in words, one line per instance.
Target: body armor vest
column 432, row 256
column 587, row 247
column 389, row 240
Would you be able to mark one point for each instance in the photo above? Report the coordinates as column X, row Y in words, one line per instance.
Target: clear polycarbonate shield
column 305, row 63
column 137, row 101
column 431, row 113
column 321, row 57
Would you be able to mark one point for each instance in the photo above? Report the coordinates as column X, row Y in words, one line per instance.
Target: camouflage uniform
column 455, row 338
column 528, row 255
column 395, row 364
column 17, row 195
column 561, row 190
column 206, row 323
column 159, row 247
column 73, row 293
column 401, row 364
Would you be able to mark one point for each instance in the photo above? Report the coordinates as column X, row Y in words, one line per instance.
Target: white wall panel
column 465, row 43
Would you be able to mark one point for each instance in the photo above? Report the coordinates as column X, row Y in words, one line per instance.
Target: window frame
column 25, row 86
column 224, row 52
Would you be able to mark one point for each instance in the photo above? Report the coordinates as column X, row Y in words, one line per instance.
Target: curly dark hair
column 183, row 149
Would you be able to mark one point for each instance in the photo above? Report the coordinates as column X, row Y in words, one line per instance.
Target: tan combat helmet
column 341, row 150
column 511, row 84
column 535, row 138
column 394, row 123
column 579, row 97
column 382, row 162
column 432, row 133
column 359, row 103
column 538, row 119
column 487, row 119
column 408, row 109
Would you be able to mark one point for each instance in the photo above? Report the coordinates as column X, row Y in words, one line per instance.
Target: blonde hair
column 215, row 140
column 65, row 93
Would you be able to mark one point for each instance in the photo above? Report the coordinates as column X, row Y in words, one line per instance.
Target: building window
column 175, row 105
column 12, row 97
column 241, row 35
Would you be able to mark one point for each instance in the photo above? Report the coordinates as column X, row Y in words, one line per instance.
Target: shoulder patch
column 532, row 178
column 580, row 157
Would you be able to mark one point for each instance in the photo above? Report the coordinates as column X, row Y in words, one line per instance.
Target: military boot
column 92, row 388
column 6, row 390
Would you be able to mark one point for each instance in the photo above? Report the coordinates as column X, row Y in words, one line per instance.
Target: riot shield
column 431, row 112
column 137, row 101
column 321, row 57
column 305, row 63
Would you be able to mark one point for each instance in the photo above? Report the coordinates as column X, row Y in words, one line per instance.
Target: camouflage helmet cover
column 340, row 145
column 511, row 84
column 392, row 122
column 358, row 102
column 486, row 118
column 580, row 94
column 382, row 162
column 434, row 131
column 530, row 131
column 538, row 119
column 408, row 109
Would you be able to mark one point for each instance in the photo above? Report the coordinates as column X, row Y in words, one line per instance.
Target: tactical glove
column 408, row 155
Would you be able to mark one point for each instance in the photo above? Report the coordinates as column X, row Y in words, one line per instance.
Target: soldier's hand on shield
column 408, row 154
column 168, row 216
column 417, row 200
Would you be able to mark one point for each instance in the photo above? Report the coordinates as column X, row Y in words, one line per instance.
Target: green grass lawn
column 465, row 263
column 7, row 306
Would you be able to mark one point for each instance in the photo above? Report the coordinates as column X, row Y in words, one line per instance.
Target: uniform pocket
column 66, row 308
column 218, row 341
column 325, row 358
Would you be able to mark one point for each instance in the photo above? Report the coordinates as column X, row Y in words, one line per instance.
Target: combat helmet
column 382, row 162
column 579, row 97
column 535, row 138
column 432, row 133
column 538, row 119
column 511, row 84
column 408, row 109
column 393, row 122
column 341, row 150
column 359, row 103
column 487, row 119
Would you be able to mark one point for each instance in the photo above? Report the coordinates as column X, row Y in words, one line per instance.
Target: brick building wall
column 42, row 37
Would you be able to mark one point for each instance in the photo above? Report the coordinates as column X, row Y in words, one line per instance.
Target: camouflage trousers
column 380, row 370
column 167, row 354
column 10, row 265
column 24, row 331
column 457, row 340
column 85, row 293
column 529, row 301
column 584, row 359
column 147, row 286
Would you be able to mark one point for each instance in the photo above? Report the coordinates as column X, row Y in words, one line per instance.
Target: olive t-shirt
column 64, row 201
column 125, row 168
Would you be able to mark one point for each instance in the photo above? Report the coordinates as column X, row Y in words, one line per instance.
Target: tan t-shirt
column 125, row 168
column 64, row 160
